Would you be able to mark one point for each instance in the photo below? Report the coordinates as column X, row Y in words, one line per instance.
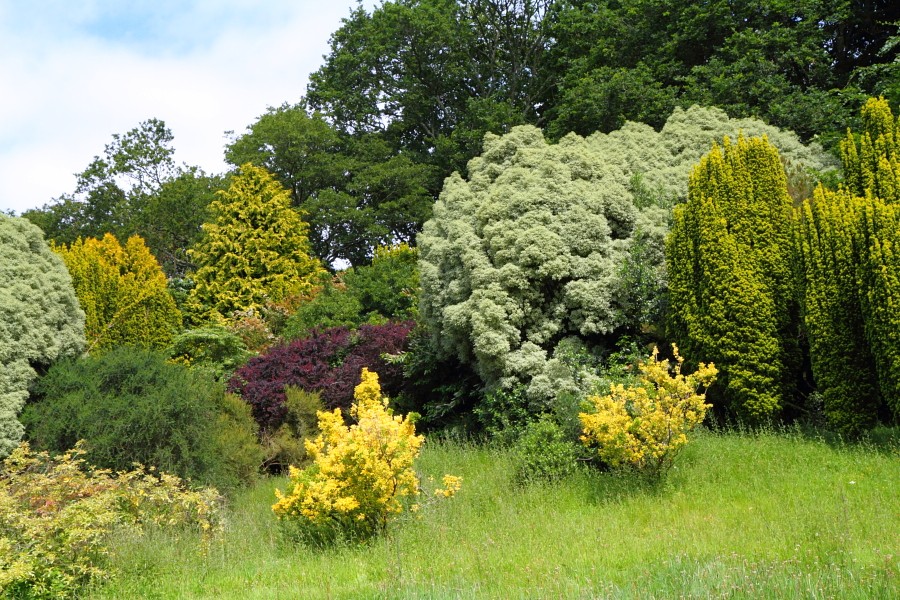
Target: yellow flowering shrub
column 360, row 474
column 56, row 514
column 645, row 425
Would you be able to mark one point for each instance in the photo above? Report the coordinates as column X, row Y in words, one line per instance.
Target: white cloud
column 67, row 86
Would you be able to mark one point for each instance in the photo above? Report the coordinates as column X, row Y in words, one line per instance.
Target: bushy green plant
column 333, row 305
column 40, row 319
column 132, row 405
column 57, row 513
column 386, row 289
column 123, row 291
column 544, row 453
column 214, row 348
column 643, row 426
column 286, row 445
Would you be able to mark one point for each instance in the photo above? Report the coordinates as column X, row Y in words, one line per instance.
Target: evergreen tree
column 40, row 320
column 255, row 250
column 122, row 290
column 847, row 244
column 730, row 275
column 872, row 158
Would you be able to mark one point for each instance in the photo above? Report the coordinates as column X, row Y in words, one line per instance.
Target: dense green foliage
column 212, row 347
column 733, row 299
column 387, row 289
column 254, row 251
column 40, row 320
column 792, row 64
column 132, row 405
column 355, row 193
column 123, row 293
column 135, row 189
column 846, row 242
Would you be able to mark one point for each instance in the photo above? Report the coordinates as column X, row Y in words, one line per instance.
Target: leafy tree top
column 254, row 250
column 872, row 157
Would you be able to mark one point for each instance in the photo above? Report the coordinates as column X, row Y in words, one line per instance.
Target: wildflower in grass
column 644, row 425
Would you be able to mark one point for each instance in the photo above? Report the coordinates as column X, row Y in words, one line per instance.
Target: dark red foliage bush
column 328, row 361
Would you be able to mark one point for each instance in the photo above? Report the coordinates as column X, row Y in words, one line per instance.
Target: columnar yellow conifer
column 731, row 283
column 847, row 244
column 872, row 157
column 122, row 290
column 841, row 357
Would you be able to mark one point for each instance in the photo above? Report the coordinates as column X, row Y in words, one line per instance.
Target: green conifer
column 731, row 283
column 255, row 250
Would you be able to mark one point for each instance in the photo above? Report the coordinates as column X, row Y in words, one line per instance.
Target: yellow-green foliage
column 841, row 357
column 732, row 291
column 122, row 290
column 361, row 473
column 872, row 158
column 645, row 425
column 256, row 250
column 56, row 514
column 847, row 244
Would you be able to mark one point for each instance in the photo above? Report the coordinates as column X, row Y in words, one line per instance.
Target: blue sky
column 74, row 72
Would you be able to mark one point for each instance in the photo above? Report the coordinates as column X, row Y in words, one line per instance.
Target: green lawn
column 740, row 516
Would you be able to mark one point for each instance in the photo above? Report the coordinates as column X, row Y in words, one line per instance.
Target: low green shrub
column 57, row 513
column 544, row 453
column 132, row 405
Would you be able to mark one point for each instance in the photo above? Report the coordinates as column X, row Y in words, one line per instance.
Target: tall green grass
column 740, row 516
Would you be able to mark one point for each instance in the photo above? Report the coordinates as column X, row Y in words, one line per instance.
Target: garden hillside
column 768, row 515
column 518, row 301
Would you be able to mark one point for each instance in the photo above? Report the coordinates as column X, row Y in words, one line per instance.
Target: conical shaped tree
column 255, row 250
column 730, row 275
column 122, row 290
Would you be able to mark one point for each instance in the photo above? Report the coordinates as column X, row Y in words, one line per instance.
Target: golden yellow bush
column 360, row 473
column 645, row 425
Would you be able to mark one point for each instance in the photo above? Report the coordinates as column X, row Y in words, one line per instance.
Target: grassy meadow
column 740, row 516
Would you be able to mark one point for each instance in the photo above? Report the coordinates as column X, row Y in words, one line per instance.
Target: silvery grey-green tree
column 543, row 245
column 40, row 319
